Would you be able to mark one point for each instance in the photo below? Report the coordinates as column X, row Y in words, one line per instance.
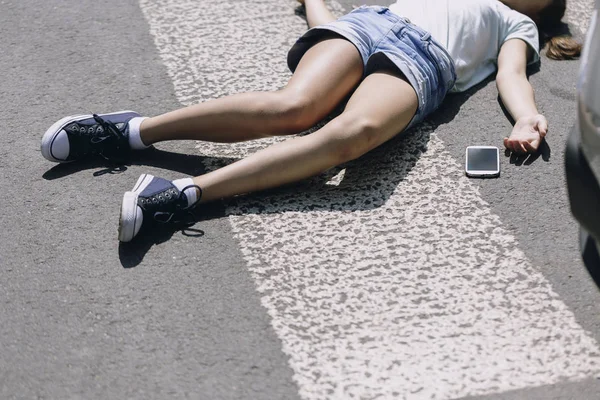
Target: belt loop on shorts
column 380, row 9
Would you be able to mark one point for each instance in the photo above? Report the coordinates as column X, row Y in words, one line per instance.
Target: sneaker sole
column 129, row 223
column 57, row 127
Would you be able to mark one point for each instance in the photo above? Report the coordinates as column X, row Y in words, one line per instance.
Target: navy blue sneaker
column 77, row 137
column 153, row 200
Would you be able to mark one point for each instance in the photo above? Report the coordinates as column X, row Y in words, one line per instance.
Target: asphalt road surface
column 393, row 276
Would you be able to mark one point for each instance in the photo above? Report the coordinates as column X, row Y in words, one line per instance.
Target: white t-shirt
column 472, row 31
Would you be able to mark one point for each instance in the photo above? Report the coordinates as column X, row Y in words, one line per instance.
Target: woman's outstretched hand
column 527, row 134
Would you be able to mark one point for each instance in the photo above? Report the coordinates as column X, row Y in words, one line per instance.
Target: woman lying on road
column 398, row 62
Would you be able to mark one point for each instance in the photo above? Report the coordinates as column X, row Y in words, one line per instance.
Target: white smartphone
column 482, row 161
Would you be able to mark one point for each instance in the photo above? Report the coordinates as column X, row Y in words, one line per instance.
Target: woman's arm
column 517, row 95
column 317, row 12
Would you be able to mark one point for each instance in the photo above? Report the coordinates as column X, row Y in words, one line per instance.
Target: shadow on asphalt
column 132, row 254
column 188, row 164
column 544, row 152
column 62, row 170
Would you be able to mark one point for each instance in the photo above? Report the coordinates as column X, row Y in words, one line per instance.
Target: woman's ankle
column 135, row 133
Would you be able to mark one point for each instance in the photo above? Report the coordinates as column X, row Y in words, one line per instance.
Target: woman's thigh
column 326, row 75
column 382, row 106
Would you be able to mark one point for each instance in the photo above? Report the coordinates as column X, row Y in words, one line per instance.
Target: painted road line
column 395, row 281
column 578, row 15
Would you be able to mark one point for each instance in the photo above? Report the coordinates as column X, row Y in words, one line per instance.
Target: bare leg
column 326, row 74
column 381, row 107
column 317, row 12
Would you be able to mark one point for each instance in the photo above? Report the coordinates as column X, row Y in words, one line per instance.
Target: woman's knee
column 296, row 111
column 351, row 136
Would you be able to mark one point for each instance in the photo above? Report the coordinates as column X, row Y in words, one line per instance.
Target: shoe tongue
column 185, row 199
column 189, row 190
column 157, row 185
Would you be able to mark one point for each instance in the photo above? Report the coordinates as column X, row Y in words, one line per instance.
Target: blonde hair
column 563, row 48
column 560, row 45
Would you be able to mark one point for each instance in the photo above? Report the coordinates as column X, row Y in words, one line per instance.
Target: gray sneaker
column 78, row 137
column 153, row 200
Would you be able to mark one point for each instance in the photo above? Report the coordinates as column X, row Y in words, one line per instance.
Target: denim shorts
column 382, row 36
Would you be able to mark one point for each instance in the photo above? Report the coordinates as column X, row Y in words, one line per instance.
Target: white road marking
column 578, row 15
column 396, row 281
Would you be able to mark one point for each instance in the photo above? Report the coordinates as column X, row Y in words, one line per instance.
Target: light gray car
column 583, row 151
